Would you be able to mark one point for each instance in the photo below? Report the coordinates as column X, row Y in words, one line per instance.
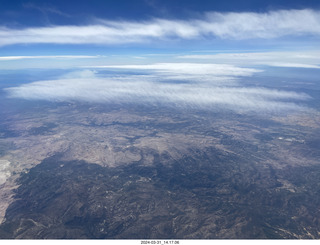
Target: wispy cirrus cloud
column 273, row 24
column 156, row 87
column 139, row 90
column 237, row 26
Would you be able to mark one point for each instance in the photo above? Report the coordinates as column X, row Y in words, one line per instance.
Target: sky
column 139, row 27
column 212, row 43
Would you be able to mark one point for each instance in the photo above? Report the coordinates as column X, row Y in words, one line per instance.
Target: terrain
column 82, row 170
column 88, row 170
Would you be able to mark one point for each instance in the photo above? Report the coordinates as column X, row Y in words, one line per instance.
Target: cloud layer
column 157, row 87
column 237, row 26
column 188, row 69
column 6, row 58
column 305, row 59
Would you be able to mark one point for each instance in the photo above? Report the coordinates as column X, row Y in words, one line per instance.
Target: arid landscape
column 82, row 170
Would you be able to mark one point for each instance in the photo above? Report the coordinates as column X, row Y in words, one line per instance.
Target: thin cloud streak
column 147, row 89
column 6, row 58
column 217, row 74
column 236, row 26
column 305, row 59
column 188, row 69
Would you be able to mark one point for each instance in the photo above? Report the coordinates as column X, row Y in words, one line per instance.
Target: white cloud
column 86, row 86
column 247, row 25
column 222, row 74
column 80, row 74
column 303, row 59
column 189, row 69
column 262, row 25
column 294, row 65
column 6, row 58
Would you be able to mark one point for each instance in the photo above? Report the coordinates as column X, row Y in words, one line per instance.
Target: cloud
column 238, row 26
column 189, row 69
column 303, row 59
column 294, row 65
column 262, row 25
column 80, row 74
column 197, row 73
column 6, row 58
column 89, row 86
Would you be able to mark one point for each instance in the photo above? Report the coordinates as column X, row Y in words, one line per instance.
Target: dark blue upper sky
column 21, row 13
column 143, row 27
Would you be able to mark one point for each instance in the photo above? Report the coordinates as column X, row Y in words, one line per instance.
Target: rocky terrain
column 208, row 196
column 72, row 170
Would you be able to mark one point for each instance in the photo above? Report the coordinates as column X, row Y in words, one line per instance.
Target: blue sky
column 139, row 27
column 132, row 50
column 42, row 12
